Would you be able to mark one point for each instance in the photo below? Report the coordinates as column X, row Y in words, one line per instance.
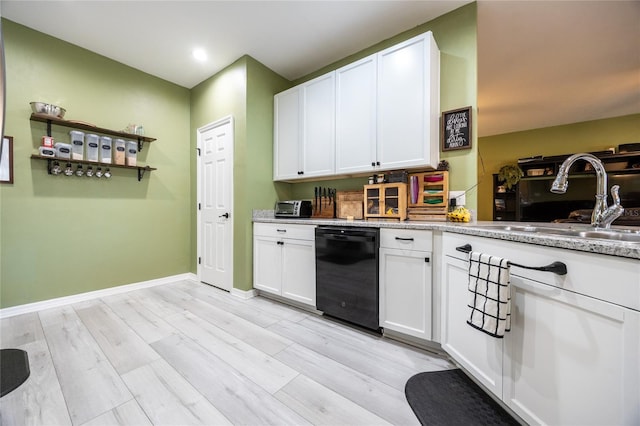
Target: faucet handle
column 614, row 211
column 614, row 194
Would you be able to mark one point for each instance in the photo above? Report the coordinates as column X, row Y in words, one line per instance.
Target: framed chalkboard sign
column 456, row 129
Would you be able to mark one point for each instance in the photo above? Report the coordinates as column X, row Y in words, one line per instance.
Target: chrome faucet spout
column 602, row 215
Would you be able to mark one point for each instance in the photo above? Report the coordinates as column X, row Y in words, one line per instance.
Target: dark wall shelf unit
column 84, row 126
column 531, row 200
column 506, row 205
column 141, row 169
column 88, row 127
column 548, row 166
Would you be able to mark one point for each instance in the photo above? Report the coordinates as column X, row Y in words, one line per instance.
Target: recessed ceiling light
column 200, row 55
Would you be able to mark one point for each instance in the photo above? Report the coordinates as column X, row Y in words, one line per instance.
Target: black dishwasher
column 347, row 274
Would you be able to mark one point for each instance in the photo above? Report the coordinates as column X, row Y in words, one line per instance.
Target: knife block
column 328, row 210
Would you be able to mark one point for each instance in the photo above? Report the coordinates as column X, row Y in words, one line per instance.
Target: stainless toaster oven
column 293, row 209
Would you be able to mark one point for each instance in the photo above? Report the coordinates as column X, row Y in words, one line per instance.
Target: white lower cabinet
column 572, row 357
column 480, row 355
column 284, row 261
column 405, row 282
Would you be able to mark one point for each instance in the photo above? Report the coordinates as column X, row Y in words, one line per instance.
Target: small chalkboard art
column 456, row 129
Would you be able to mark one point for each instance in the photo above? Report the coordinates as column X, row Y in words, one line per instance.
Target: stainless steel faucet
column 602, row 215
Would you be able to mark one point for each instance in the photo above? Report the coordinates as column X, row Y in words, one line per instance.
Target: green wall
column 67, row 235
column 63, row 236
column 589, row 136
column 455, row 35
column 244, row 90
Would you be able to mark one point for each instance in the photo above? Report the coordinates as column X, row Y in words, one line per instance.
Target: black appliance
column 347, row 274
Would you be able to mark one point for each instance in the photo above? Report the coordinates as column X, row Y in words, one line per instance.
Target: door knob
column 226, row 215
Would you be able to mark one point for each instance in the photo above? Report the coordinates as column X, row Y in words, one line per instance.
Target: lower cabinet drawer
column 284, row 230
column 406, row 239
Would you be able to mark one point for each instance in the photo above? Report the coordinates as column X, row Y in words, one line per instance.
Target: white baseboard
column 244, row 294
column 74, row 298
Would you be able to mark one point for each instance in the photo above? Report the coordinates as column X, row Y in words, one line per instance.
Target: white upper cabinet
column 287, row 133
column 379, row 113
column 408, row 105
column 356, row 116
column 318, row 136
column 304, row 130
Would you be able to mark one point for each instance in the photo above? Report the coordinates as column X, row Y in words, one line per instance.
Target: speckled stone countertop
column 484, row 229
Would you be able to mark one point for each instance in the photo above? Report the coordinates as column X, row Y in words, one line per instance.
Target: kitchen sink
column 626, row 235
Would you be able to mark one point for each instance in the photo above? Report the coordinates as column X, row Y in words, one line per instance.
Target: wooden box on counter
column 428, row 197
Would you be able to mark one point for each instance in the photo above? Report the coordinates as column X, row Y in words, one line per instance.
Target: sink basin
column 625, row 235
column 633, row 237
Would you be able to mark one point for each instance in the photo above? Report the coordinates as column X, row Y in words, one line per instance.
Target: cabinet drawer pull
column 558, row 268
column 465, row 248
column 281, row 230
column 404, row 239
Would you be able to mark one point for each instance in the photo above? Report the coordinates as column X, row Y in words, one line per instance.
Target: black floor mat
column 451, row 398
column 14, row 369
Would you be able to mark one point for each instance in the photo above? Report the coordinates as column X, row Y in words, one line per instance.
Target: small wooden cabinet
column 385, row 201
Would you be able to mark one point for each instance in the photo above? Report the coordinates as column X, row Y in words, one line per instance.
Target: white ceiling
column 548, row 63
column 540, row 63
column 293, row 38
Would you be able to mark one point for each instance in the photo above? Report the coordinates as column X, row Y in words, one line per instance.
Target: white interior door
column 215, row 202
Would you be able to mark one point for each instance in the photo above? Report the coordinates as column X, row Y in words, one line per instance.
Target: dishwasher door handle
column 340, row 237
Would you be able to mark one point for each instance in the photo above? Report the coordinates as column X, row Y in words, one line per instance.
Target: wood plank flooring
column 186, row 353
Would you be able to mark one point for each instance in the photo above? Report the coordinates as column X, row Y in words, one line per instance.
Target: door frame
column 199, row 186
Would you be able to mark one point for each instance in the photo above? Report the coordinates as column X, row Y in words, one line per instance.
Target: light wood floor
column 187, row 353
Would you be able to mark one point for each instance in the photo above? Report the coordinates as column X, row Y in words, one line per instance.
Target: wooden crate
column 350, row 203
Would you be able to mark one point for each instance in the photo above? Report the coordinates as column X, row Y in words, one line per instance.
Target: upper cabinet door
column 318, row 151
column 356, row 116
column 408, row 104
column 287, row 134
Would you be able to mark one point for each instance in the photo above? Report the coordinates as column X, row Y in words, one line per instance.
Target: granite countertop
column 482, row 229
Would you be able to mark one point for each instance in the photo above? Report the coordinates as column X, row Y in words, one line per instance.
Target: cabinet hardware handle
column 280, row 243
column 558, row 268
column 226, row 215
column 281, row 230
column 555, row 267
column 404, row 239
column 377, row 163
column 426, row 260
column 373, row 164
column 465, row 248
